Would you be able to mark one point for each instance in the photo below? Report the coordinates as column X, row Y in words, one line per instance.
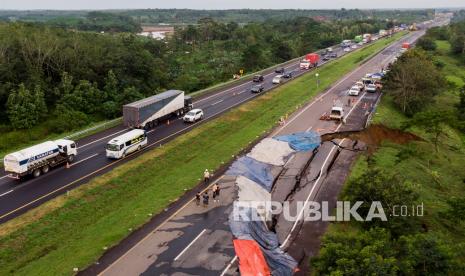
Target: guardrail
column 373, row 111
column 96, row 127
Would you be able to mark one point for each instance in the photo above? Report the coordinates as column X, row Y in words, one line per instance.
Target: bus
column 123, row 145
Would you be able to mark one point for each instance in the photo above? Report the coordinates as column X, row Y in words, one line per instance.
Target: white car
column 354, row 90
column 193, row 116
column 371, row 88
column 355, row 46
column 347, row 49
column 360, row 85
column 277, row 79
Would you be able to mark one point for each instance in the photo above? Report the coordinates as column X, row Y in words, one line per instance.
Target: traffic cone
column 168, row 122
column 67, row 165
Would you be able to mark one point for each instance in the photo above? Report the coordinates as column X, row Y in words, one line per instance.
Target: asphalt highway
column 196, row 240
column 17, row 197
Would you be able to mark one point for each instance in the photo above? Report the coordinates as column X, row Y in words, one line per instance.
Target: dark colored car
column 325, row 57
column 258, row 78
column 287, row 75
column 333, row 55
column 257, row 88
column 279, row 70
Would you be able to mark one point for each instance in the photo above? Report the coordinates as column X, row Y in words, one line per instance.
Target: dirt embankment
column 373, row 136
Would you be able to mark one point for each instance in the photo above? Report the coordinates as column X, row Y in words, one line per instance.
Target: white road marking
column 159, row 226
column 308, row 129
column 241, row 92
column 93, row 142
column 87, row 158
column 5, row 176
column 5, row 193
column 246, row 83
column 190, row 244
column 215, row 103
column 319, row 177
column 229, row 265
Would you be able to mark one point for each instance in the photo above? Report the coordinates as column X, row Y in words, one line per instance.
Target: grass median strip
column 74, row 230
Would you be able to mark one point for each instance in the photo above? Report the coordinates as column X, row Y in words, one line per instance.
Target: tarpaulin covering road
column 271, row 151
column 254, row 170
column 245, row 228
column 301, row 141
column 251, row 260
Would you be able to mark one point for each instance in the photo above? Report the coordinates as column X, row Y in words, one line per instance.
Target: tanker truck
column 39, row 159
column 149, row 112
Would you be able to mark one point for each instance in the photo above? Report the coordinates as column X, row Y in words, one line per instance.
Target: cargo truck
column 310, row 61
column 358, row 38
column 39, row 159
column 367, row 38
column 149, row 112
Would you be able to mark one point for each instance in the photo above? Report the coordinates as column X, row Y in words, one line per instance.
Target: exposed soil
column 373, row 136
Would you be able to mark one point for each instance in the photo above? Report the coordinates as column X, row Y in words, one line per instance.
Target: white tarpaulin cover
column 251, row 191
column 271, row 151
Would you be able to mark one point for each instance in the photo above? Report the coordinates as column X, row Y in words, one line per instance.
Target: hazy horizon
column 225, row 5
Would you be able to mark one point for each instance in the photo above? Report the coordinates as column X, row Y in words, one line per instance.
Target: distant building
column 157, row 32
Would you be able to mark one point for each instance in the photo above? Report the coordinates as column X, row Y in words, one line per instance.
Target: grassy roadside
column 437, row 178
column 71, row 231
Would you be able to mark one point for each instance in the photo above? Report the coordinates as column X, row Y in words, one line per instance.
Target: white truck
column 39, row 159
column 337, row 111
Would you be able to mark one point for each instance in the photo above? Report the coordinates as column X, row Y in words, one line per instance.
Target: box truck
column 39, row 159
column 149, row 112
column 310, row 60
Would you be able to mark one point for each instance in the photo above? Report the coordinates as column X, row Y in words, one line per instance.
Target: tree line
column 89, row 76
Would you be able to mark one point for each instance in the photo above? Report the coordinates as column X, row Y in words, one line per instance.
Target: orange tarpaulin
column 251, row 259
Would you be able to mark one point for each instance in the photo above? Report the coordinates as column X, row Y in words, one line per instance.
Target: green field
column 73, row 230
column 435, row 176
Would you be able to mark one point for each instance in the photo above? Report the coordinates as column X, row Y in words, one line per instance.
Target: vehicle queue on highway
column 150, row 112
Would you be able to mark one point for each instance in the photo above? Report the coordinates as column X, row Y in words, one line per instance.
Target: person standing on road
column 215, row 190
column 206, row 197
column 197, row 198
column 206, row 176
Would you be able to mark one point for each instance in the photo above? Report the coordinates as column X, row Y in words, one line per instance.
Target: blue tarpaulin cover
column 254, row 170
column 279, row 262
column 302, row 141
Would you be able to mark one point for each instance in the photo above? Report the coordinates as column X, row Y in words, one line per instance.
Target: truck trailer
column 39, row 159
column 149, row 112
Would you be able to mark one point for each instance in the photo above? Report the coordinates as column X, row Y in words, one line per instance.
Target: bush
column 68, row 119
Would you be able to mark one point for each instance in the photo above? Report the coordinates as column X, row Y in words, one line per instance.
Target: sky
column 226, row 4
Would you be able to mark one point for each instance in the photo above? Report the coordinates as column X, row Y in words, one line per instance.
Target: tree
column 39, row 102
column 390, row 191
column 252, row 58
column 23, row 111
column 427, row 44
column 433, row 121
column 360, row 253
column 129, row 95
column 413, row 82
column 424, row 254
column 111, row 86
column 66, row 119
column 281, row 50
